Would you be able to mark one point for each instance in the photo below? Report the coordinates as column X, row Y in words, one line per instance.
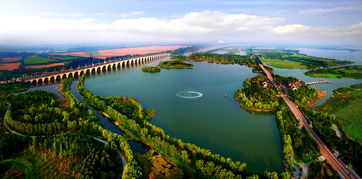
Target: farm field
column 136, row 51
column 9, row 66
column 43, row 66
column 102, row 54
column 38, row 60
column 10, row 59
column 277, row 63
column 77, row 54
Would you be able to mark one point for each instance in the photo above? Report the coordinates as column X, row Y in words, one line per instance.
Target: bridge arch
column 58, row 78
column 52, row 79
column 40, row 81
column 46, row 80
column 34, row 82
column 88, row 71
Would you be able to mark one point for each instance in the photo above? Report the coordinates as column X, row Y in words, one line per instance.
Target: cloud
column 122, row 15
column 63, row 14
column 325, row 10
column 293, row 28
column 131, row 14
column 203, row 26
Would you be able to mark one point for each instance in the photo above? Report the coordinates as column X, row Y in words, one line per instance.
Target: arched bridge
column 97, row 68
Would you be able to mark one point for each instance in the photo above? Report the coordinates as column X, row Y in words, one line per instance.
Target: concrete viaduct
column 92, row 69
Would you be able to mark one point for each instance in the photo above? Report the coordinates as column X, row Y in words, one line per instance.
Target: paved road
column 343, row 170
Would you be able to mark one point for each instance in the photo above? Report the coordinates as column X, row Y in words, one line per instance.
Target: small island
column 259, row 95
column 175, row 64
column 353, row 71
column 151, row 69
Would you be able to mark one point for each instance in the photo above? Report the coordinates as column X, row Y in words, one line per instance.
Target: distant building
column 264, row 84
column 291, row 85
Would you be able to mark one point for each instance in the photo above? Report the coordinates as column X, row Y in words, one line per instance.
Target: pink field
column 136, row 51
column 123, row 51
column 9, row 66
column 77, row 54
column 43, row 66
column 12, row 59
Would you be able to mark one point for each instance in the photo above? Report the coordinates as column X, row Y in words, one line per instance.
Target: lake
column 209, row 120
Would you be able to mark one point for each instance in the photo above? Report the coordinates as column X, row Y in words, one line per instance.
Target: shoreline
column 254, row 110
column 321, row 95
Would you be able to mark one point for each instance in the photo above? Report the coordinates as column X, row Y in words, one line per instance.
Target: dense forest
column 9, row 88
column 299, row 147
column 64, row 145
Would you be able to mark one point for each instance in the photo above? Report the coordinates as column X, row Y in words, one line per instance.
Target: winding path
column 124, row 161
column 343, row 170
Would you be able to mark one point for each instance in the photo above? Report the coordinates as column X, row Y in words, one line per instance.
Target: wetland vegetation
column 353, row 71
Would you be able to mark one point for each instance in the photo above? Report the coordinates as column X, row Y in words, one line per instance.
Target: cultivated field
column 277, row 63
column 37, row 60
column 136, row 51
column 121, row 51
column 9, row 66
column 12, row 59
column 43, row 66
column 77, row 54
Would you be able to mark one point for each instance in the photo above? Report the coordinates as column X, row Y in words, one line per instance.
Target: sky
column 300, row 22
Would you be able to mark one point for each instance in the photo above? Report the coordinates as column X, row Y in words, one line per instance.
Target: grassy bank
column 354, row 71
column 346, row 104
column 282, row 58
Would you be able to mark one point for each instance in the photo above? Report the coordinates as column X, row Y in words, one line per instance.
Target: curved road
column 343, row 170
column 124, row 161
